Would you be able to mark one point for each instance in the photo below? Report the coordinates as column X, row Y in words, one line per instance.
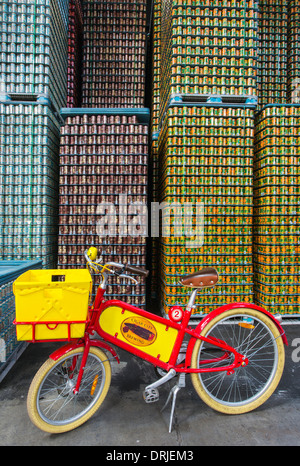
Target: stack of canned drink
column 33, row 87
column 8, row 340
column 10, row 348
column 114, row 53
column 33, row 40
column 103, row 192
column 154, row 130
column 277, row 212
column 74, row 53
column 208, row 48
column 156, row 81
column 206, row 159
column 29, row 182
column 273, row 51
column 204, row 121
column 294, row 53
column 279, row 52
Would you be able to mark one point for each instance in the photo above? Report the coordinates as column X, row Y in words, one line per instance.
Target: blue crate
column 10, row 270
column 10, row 348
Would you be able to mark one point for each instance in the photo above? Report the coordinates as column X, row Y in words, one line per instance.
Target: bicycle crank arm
column 163, row 380
column 151, row 393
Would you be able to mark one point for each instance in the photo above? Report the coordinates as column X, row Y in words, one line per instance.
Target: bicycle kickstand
column 174, row 391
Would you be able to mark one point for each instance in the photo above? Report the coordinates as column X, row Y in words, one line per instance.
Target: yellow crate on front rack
column 52, row 304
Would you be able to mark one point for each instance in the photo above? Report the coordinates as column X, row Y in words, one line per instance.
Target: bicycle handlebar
column 126, row 268
column 137, row 270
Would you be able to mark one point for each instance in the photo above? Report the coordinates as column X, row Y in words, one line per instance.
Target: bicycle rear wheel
column 255, row 336
column 51, row 403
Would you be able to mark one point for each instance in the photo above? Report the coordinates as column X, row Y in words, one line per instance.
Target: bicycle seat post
column 192, row 299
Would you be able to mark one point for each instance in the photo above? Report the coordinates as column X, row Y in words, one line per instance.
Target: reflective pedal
column 151, row 395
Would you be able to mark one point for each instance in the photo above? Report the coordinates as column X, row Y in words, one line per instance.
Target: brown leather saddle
column 205, row 278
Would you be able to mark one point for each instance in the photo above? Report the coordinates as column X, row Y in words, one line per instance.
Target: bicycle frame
column 169, row 343
column 181, row 328
column 180, row 331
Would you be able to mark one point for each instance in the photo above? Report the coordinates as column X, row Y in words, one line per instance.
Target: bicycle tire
column 38, row 390
column 210, row 386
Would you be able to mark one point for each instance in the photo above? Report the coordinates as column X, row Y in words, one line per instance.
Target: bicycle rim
column 254, row 337
column 57, row 404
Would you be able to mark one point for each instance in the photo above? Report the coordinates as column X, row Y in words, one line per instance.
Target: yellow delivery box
column 52, row 304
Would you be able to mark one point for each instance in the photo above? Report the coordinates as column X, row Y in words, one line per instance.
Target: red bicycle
column 235, row 355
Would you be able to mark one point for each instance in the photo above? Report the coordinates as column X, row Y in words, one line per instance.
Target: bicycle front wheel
column 51, row 403
column 252, row 334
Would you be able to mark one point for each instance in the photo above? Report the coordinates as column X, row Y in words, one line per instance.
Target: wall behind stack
column 33, row 86
column 114, row 53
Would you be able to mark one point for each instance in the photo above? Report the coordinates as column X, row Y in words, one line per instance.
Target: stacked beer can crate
column 273, row 52
column 114, row 40
column 279, row 52
column 206, row 155
column 293, row 52
column 29, row 187
column 103, row 171
column 276, row 174
column 205, row 147
column 75, row 54
column 156, row 81
column 154, row 131
column 34, row 53
column 10, row 348
column 207, row 49
column 33, row 87
column 277, row 214
column 104, row 148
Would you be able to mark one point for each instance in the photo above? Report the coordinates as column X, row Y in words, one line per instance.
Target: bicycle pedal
column 151, row 395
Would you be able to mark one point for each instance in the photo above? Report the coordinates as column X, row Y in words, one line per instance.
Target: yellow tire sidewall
column 40, row 376
column 280, row 366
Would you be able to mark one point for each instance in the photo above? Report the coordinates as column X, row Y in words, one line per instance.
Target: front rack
column 65, row 333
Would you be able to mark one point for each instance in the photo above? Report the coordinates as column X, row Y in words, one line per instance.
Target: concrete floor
column 125, row 419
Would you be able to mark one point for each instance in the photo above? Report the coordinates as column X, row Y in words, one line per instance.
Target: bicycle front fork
column 86, row 350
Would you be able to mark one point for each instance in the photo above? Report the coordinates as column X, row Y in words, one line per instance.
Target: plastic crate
column 52, row 304
column 10, row 348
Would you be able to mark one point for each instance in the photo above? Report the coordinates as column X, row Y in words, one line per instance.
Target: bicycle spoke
column 58, row 402
column 257, row 344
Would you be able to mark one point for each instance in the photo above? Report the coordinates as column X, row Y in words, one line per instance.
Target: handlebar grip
column 137, row 270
